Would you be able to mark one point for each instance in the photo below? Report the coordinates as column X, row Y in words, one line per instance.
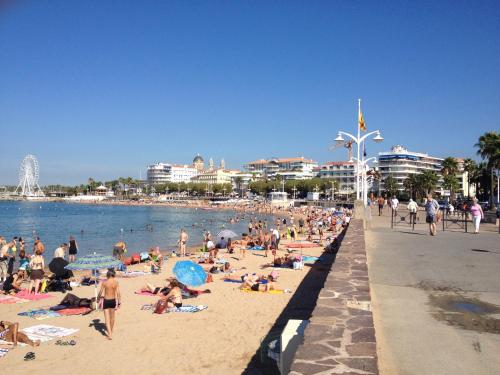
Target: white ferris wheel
column 28, row 177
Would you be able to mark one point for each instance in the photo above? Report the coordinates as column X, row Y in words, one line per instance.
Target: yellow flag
column 361, row 121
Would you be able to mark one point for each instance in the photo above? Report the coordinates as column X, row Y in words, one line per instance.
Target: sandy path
column 219, row 340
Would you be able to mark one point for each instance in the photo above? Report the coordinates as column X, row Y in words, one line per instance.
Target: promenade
column 431, row 299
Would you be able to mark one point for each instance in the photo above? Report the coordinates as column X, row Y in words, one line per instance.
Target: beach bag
column 429, row 219
column 298, row 265
column 144, row 256
column 127, row 261
column 160, row 307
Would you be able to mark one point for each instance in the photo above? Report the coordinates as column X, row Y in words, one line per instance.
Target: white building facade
column 401, row 163
column 297, row 168
column 341, row 171
column 161, row 173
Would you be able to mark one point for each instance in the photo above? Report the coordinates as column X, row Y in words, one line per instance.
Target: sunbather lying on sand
column 10, row 332
column 258, row 285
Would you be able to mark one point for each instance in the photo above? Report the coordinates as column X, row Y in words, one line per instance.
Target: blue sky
column 104, row 88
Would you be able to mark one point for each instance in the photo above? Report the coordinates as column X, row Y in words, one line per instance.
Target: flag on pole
column 361, row 121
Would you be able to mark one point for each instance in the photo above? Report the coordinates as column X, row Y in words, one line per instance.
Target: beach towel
column 256, row 248
column 187, row 308
column 3, row 352
column 39, row 314
column 51, row 332
column 135, row 274
column 301, row 245
column 274, row 291
column 31, row 297
column 75, row 311
column 232, row 281
column 307, row 258
column 11, row 299
column 148, row 306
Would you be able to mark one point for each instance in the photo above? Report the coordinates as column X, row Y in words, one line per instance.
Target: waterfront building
column 465, row 189
column 341, row 171
column 296, row 168
column 215, row 176
column 182, row 173
column 401, row 163
column 159, row 173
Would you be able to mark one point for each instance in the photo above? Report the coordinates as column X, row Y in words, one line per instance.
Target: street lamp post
column 363, row 164
column 359, row 141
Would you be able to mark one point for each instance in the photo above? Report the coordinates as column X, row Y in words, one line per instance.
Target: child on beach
column 111, row 300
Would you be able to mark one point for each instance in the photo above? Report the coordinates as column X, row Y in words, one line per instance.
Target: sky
column 101, row 88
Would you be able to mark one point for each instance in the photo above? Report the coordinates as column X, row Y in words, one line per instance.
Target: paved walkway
column 421, row 288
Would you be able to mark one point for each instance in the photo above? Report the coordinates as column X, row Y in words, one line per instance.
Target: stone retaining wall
column 340, row 338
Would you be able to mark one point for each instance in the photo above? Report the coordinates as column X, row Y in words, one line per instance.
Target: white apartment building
column 297, row 168
column 401, row 163
column 183, row 173
column 161, row 173
column 341, row 171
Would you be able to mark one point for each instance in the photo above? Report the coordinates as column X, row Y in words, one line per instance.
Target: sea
column 97, row 228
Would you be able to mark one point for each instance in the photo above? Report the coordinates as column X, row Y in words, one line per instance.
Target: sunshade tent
column 93, row 262
column 190, row 273
column 226, row 233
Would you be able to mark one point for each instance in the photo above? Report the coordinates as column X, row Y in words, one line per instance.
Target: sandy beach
column 219, row 340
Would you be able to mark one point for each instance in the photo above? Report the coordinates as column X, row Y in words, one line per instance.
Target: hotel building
column 341, row 171
column 161, row 173
column 401, row 163
column 298, row 168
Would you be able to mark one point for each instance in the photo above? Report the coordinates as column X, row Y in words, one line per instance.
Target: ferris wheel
column 28, row 177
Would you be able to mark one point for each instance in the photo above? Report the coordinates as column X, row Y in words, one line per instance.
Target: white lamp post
column 363, row 165
column 359, row 141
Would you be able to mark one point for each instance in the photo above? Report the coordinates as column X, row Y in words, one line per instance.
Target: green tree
column 449, row 169
column 390, row 185
column 427, row 182
column 411, row 185
column 488, row 147
column 470, row 166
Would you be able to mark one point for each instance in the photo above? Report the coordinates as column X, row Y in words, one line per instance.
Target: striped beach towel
column 187, row 309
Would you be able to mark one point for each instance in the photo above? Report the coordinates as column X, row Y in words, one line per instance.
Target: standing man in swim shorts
column 110, row 291
column 183, row 238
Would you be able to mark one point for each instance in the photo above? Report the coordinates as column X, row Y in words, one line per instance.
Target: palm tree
column 411, row 184
column 390, row 185
column 488, row 147
column 449, row 169
column 470, row 166
column 238, row 181
column 427, row 181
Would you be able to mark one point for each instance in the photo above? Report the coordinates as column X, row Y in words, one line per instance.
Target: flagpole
column 357, row 159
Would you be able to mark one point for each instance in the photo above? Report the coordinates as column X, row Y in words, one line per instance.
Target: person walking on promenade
column 413, row 208
column 431, row 210
column 183, row 238
column 477, row 214
column 394, row 205
column 73, row 249
column 380, row 202
column 110, row 292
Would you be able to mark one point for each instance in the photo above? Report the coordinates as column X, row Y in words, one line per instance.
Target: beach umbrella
column 226, row 233
column 93, row 262
column 190, row 273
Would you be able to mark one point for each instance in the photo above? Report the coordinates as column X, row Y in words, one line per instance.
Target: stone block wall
column 340, row 338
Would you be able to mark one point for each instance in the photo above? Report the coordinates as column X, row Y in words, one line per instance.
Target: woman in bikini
column 10, row 332
column 174, row 297
column 110, row 292
column 37, row 264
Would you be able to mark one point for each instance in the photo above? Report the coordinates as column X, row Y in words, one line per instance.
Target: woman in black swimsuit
column 73, row 249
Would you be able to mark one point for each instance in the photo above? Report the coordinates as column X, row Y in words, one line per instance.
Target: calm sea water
column 98, row 228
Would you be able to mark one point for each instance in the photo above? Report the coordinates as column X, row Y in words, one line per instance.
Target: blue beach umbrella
column 190, row 273
column 93, row 262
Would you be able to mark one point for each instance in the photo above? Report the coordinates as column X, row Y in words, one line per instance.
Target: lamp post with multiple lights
column 360, row 161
